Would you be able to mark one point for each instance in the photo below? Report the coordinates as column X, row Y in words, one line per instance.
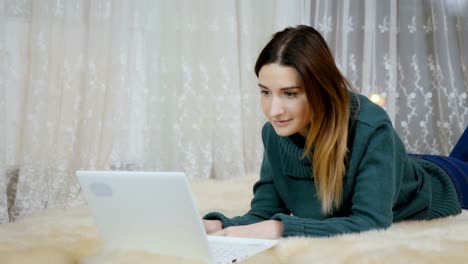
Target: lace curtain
column 169, row 85
column 137, row 85
column 410, row 56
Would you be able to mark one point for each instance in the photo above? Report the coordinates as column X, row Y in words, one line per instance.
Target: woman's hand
column 212, row 226
column 270, row 229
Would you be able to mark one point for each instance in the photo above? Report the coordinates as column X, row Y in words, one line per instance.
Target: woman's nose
column 277, row 107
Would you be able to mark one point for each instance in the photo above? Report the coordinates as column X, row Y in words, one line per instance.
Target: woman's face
column 283, row 99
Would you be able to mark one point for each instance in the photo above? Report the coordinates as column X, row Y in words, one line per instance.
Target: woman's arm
column 266, row 201
column 269, row 229
column 374, row 191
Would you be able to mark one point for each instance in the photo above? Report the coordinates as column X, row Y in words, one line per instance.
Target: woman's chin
column 284, row 131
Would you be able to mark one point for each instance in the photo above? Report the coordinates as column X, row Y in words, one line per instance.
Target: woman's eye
column 263, row 92
column 290, row 94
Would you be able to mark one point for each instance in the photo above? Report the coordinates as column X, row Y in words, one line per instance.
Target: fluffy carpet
column 69, row 236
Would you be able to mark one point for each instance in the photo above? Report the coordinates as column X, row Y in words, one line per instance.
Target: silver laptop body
column 155, row 212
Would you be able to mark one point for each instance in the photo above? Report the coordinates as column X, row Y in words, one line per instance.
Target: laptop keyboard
column 227, row 252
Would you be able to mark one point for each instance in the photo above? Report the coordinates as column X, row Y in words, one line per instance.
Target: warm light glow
column 375, row 98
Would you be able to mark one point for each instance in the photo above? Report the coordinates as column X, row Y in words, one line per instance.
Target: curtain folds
column 411, row 56
column 169, row 85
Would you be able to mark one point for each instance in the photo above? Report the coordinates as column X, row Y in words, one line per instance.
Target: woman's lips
column 282, row 123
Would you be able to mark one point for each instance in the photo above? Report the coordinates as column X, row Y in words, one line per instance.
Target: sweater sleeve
column 265, row 203
column 374, row 192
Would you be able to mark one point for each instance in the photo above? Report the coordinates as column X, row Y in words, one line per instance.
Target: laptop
column 156, row 212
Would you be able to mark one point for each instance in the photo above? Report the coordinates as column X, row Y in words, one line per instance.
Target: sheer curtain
column 169, row 85
column 410, row 56
column 101, row 84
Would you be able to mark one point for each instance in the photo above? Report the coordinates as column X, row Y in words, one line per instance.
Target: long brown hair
column 327, row 91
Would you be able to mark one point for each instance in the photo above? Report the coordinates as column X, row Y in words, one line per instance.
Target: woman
column 333, row 163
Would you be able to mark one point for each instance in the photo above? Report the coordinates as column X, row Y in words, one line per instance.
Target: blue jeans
column 456, row 166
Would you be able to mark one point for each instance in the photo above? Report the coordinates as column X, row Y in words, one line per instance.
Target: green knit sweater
column 382, row 184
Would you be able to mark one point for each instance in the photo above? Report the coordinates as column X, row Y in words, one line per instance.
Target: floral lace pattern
column 127, row 85
column 412, row 55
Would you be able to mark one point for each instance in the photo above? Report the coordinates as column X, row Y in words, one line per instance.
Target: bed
column 70, row 236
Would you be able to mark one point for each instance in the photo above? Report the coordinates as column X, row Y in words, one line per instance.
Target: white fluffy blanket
column 69, row 236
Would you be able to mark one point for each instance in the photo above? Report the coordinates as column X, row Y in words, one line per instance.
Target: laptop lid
column 151, row 211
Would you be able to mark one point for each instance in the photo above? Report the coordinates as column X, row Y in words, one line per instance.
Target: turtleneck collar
column 292, row 161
